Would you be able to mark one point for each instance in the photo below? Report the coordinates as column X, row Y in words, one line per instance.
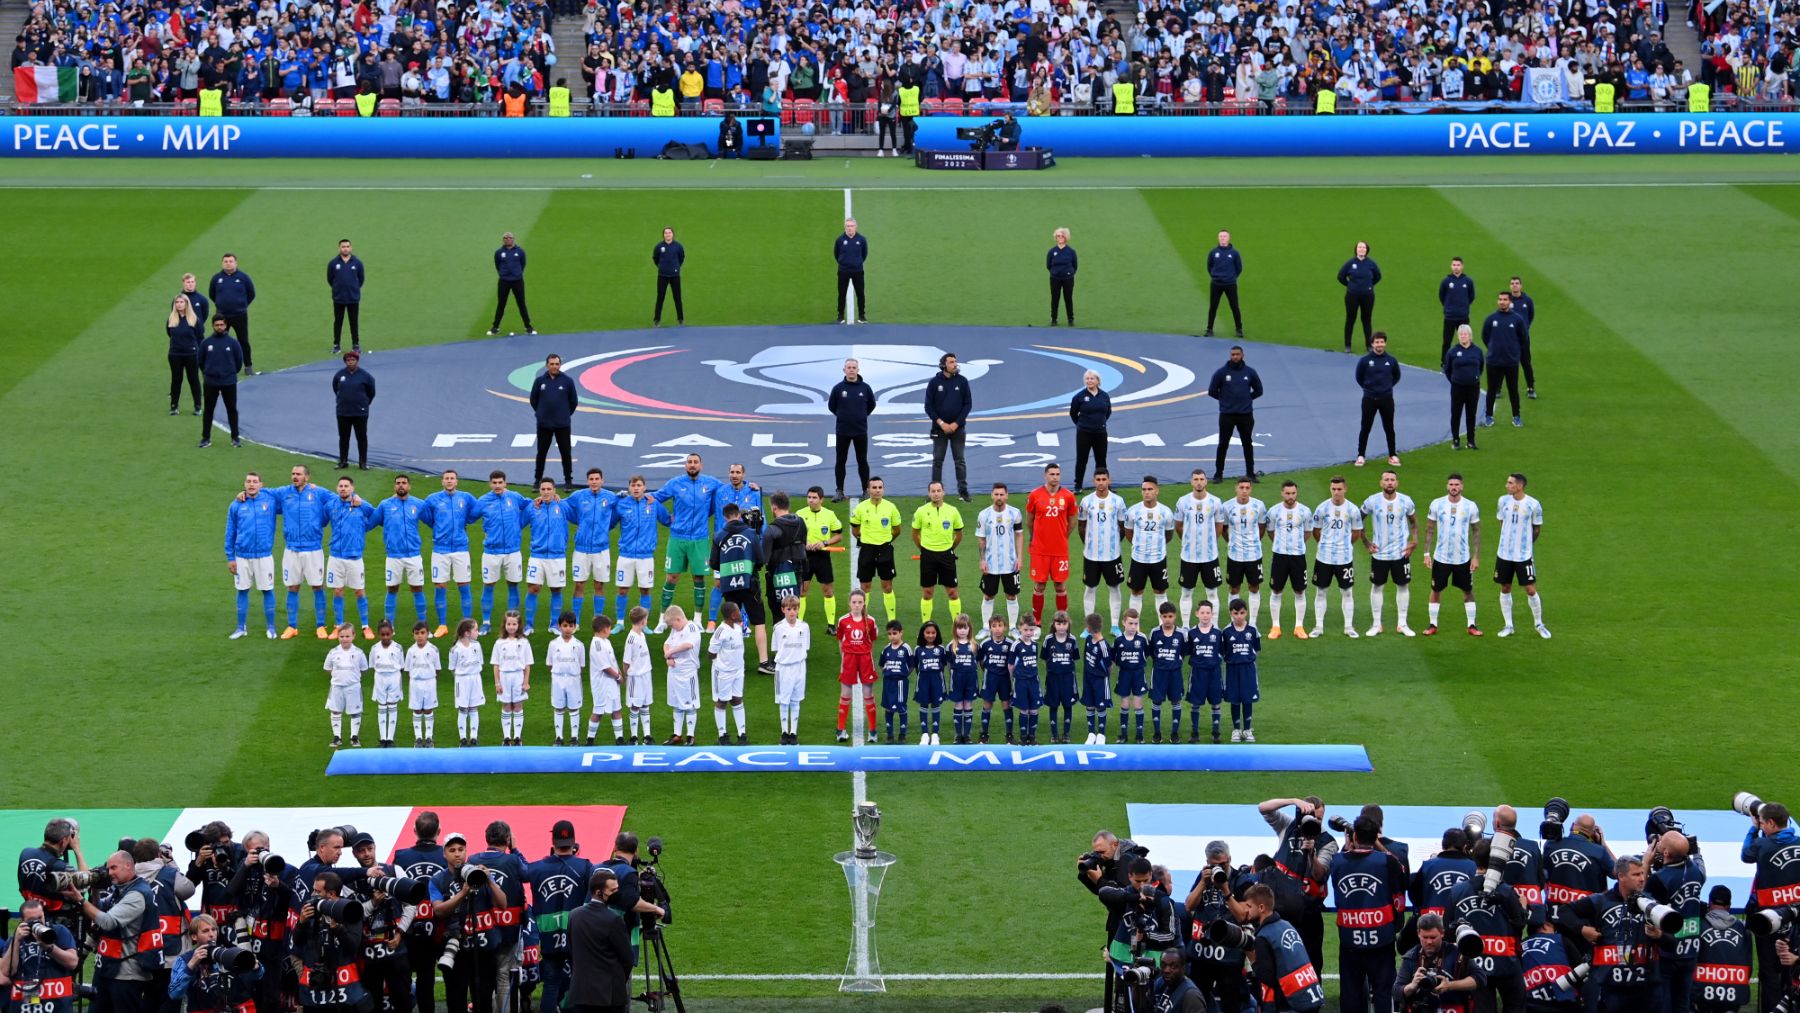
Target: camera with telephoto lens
column 1340, row 824
column 1748, row 804
column 1309, row 824
column 446, row 961
column 1090, row 861
column 1230, row 935
column 1788, row 1003
column 344, row 911
column 1666, row 919
column 1660, row 821
column 234, row 959
column 274, row 865
column 406, row 891
column 1141, row 971
column 1500, row 850
column 43, row 932
column 1474, row 824
column 1572, row 981
column 78, row 879
column 1772, row 921
column 1218, row 877
column 1468, row 940
column 474, row 876
column 1556, row 812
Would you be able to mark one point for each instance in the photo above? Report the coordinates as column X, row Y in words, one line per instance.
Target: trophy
column 865, row 822
column 864, row 869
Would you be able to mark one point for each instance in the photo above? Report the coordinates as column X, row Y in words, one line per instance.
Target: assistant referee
column 937, row 529
column 873, row 524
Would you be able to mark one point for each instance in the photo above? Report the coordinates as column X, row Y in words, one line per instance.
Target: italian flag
column 44, row 84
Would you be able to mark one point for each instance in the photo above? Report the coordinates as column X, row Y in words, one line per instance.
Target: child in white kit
column 566, row 656
column 387, row 658
column 681, row 650
column 607, row 681
column 346, row 663
column 423, row 664
column 512, row 659
column 466, row 661
column 791, row 643
column 727, row 649
column 640, row 681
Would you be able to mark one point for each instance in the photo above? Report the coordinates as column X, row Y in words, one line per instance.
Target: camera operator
column 1369, row 886
column 329, row 944
column 38, row 864
column 628, row 900
column 1146, row 916
column 1677, row 878
column 1217, row 896
column 1498, row 917
column 455, row 895
column 1304, row 850
column 40, row 962
column 1284, row 977
column 1525, row 867
column 1398, row 849
column 424, row 860
column 1618, row 940
column 500, row 932
column 1174, row 991
column 212, row 976
column 1433, row 975
column 387, row 965
column 1544, row 959
column 263, row 888
column 1773, row 847
column 558, row 887
column 1577, row 865
column 1723, row 968
column 130, row 944
column 215, row 863
column 1007, row 132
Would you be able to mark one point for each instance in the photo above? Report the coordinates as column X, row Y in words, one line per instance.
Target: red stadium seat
column 953, row 107
column 713, row 106
column 280, row 107
column 932, row 106
column 187, row 107
column 388, row 107
column 346, row 107
column 787, row 112
column 804, row 109
column 638, row 107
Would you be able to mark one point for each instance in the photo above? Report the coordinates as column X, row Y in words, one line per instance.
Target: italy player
column 965, row 678
column 399, row 517
column 423, row 663
column 874, row 524
column 1026, row 669
column 465, row 670
column 1453, row 526
column 606, row 680
column 1096, row 686
column 1048, row 511
column 1206, row 652
column 504, row 517
column 346, row 663
column 305, row 510
column 930, row 661
column 1335, row 523
column 512, row 658
column 1168, row 656
column 1521, row 522
column 350, row 520
column 1061, row 651
column 1149, row 525
column 450, row 512
column 995, row 657
column 639, row 516
column 250, row 550
column 1390, row 530
column 1130, row 651
column 548, row 565
column 388, row 659
column 856, row 645
column 640, row 681
column 790, row 644
column 895, row 665
column 1000, row 539
column 689, row 497
column 1288, row 523
column 681, row 653
column 1199, row 519
column 746, row 496
column 823, row 532
column 727, row 648
column 1098, row 518
column 565, row 657
column 1242, row 645
column 1244, row 517
column 594, row 513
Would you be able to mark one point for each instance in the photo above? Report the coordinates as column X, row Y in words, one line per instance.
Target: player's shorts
column 687, row 555
column 408, row 570
column 640, row 690
column 547, row 571
column 1200, row 573
column 1287, row 571
column 893, row 694
column 422, row 694
column 937, row 566
column 1512, row 571
column 928, row 690
column 818, row 567
column 638, row 570
column 1241, row 684
column 750, row 603
column 469, row 691
column 606, row 694
column 259, row 572
column 996, row 686
column 727, row 686
column 1452, row 574
column 684, row 692
column 593, row 566
column 1399, row 569
column 450, row 567
column 1059, row 689
column 344, row 574
column 1131, row 683
column 1046, row 568
column 965, row 685
column 1166, row 685
column 790, row 683
column 1093, row 571
column 1027, row 695
column 994, row 583
column 1096, row 694
column 344, row 699
column 1325, row 574
column 873, row 560
column 497, row 566
column 856, row 668
column 1239, row 572
column 1207, row 686
column 565, row 692
column 1155, row 574
column 387, row 687
column 303, row 566
column 512, row 687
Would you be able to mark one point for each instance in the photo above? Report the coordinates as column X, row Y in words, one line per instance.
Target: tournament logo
column 1358, row 883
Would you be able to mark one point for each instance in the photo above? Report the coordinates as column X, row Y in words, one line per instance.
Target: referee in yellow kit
column 937, row 529
column 873, row 524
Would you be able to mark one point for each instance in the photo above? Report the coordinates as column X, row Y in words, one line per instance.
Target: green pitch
column 1664, row 447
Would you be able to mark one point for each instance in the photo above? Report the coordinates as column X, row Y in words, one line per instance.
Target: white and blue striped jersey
column 1386, row 523
column 1453, row 523
column 1199, row 519
column 1288, row 526
column 1517, row 516
column 1336, row 524
column 1243, row 529
column 1149, row 532
column 1100, row 542
column 998, row 531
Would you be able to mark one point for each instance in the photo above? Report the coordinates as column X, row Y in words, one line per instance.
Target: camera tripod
column 659, row 969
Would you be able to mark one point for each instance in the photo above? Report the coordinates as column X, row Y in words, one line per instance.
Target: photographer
column 1442, row 873
column 1398, row 849
column 215, row 864
column 212, row 976
column 1525, row 868
column 499, row 925
column 328, row 940
column 1617, row 939
column 40, row 962
column 1285, row 978
column 1304, row 851
column 1369, row 887
column 327, row 847
column 558, row 881
column 1175, row 993
column 628, row 901
column 130, row 944
column 38, row 865
column 1677, row 878
column 1724, row 962
column 1498, row 918
column 169, row 896
column 1105, row 865
column 387, row 965
column 424, row 860
column 1576, row 866
column 784, row 546
column 263, row 888
column 456, row 895
column 1544, row 959
column 1770, row 845
column 1145, row 914
column 1217, row 896
column 1434, row 976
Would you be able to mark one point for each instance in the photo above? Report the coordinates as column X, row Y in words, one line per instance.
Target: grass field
column 1665, row 449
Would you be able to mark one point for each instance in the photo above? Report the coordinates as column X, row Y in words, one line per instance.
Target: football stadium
column 981, row 597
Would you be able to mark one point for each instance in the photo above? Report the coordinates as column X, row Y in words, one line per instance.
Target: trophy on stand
column 864, row 868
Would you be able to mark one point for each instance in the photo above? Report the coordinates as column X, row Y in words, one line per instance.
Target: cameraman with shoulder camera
column 1486, row 918
column 1433, row 974
column 39, row 965
column 216, row 861
column 1284, row 977
column 1304, row 850
column 1217, row 896
column 263, row 888
column 212, row 976
column 329, row 944
column 423, row 860
column 1773, row 847
column 1619, row 940
column 1007, row 132
column 1677, row 878
column 131, row 943
column 558, row 887
column 38, row 865
column 628, row 900
column 1369, row 886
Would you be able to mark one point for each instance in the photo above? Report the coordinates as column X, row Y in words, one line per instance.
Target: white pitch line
column 751, row 185
column 950, row 976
